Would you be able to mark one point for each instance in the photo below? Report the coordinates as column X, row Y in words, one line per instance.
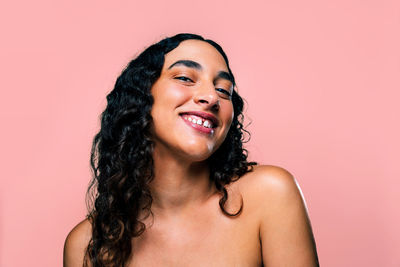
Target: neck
column 178, row 184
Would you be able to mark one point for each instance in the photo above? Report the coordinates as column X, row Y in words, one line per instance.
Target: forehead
column 199, row 51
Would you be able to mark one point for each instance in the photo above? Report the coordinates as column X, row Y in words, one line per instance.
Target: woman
column 172, row 183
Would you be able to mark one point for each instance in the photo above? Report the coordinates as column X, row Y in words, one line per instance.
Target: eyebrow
column 193, row 64
column 225, row 75
column 187, row 63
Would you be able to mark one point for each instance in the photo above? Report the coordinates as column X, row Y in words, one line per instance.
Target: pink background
column 322, row 80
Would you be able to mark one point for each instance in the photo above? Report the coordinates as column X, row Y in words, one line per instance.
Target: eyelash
column 186, row 79
column 224, row 91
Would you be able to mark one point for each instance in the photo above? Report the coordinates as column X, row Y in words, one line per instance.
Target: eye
column 224, row 91
column 183, row 78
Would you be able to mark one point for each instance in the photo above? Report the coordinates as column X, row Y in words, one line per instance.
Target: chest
column 202, row 240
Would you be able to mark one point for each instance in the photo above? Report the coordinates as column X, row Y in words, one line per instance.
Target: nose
column 207, row 97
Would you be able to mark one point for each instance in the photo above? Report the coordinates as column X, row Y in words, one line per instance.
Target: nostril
column 215, row 107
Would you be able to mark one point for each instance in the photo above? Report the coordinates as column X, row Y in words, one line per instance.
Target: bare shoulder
column 76, row 244
column 270, row 191
column 269, row 182
column 274, row 190
column 276, row 201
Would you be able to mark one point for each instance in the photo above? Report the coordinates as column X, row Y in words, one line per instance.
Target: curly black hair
column 122, row 162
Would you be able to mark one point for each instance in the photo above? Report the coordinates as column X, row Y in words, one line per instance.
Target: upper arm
column 285, row 230
column 76, row 244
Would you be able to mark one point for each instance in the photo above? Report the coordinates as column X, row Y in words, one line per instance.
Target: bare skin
column 188, row 227
column 272, row 229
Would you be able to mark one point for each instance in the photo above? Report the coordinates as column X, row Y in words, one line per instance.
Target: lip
column 200, row 128
column 204, row 115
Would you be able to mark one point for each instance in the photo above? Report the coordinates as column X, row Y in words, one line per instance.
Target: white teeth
column 205, row 123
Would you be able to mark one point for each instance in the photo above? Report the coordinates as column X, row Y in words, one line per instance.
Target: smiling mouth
column 198, row 123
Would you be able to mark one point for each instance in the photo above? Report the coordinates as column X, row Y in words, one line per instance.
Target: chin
column 197, row 153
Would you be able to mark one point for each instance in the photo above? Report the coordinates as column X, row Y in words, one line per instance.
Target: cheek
column 177, row 95
column 228, row 114
column 168, row 96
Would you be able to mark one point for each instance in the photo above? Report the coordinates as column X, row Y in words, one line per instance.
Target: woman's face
column 192, row 110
